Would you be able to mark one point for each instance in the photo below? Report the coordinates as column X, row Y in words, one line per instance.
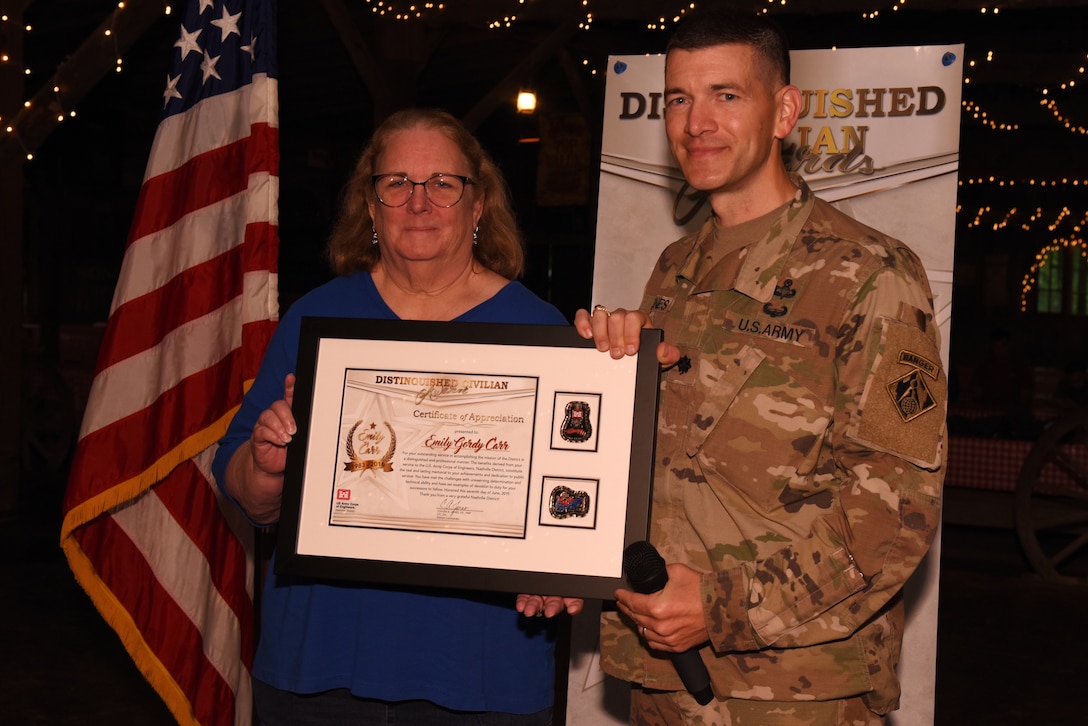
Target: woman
column 426, row 233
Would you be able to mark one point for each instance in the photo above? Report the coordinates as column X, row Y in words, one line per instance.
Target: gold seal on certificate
column 368, row 442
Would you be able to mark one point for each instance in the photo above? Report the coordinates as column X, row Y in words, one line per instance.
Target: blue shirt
column 465, row 650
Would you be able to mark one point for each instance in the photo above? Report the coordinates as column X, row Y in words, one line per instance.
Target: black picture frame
column 407, row 514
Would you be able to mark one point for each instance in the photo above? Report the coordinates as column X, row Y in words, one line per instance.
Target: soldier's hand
column 618, row 331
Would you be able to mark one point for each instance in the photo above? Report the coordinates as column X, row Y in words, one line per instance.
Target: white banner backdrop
column 878, row 136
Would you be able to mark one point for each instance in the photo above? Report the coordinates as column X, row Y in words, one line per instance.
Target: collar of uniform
column 690, row 270
column 761, row 269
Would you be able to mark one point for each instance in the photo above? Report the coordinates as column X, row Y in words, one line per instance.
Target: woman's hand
column 255, row 471
column 548, row 605
column 273, row 431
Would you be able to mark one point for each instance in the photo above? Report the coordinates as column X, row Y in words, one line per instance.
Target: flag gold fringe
column 112, row 611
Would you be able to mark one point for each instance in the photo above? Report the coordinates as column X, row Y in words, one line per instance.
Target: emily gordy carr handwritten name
column 465, row 443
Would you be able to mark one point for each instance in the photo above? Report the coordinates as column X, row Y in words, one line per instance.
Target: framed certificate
column 466, row 455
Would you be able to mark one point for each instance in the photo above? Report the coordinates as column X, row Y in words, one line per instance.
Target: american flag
column 165, row 560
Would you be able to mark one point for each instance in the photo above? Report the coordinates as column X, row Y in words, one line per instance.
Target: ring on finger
column 643, row 632
column 603, row 309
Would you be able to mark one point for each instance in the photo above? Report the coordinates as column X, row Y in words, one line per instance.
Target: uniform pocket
column 764, row 433
column 718, row 385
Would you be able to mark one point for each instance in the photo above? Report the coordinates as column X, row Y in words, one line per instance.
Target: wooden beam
column 366, row 64
column 588, row 103
column 391, row 63
column 30, row 125
column 504, row 91
column 77, row 75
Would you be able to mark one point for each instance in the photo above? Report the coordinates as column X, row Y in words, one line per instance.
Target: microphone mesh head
column 645, row 567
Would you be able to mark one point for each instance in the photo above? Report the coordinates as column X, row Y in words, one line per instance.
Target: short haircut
column 708, row 28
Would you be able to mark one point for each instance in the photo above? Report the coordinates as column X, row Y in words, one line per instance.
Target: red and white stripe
column 146, row 532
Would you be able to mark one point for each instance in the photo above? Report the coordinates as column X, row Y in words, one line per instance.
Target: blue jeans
column 339, row 707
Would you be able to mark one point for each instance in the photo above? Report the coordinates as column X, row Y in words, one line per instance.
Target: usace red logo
column 343, row 494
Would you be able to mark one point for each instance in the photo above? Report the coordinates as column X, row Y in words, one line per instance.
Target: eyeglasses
column 443, row 190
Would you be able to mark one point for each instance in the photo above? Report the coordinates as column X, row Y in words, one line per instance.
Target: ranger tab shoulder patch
column 911, row 395
column 902, row 409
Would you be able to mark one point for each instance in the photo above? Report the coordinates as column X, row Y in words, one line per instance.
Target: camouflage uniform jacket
column 798, row 460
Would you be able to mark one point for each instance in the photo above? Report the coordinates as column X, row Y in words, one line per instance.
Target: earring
column 476, row 236
column 374, row 239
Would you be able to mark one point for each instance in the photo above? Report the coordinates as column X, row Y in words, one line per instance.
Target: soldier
column 801, row 420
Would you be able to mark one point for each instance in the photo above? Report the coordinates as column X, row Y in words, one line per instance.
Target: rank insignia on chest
column 910, row 393
column 784, row 291
column 684, row 364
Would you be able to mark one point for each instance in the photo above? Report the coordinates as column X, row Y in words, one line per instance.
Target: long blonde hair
column 498, row 246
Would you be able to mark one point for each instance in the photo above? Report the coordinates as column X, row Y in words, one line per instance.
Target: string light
column 382, row 8
column 1065, row 181
column 875, row 12
column 976, row 112
column 1042, row 257
column 1048, row 102
column 1059, row 224
column 116, row 51
column 663, row 23
column 1052, row 105
column 57, row 108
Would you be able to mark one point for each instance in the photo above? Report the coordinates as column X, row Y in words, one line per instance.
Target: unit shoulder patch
column 902, row 409
column 911, row 395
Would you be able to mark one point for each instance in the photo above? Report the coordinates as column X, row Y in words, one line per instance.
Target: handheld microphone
column 646, row 574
